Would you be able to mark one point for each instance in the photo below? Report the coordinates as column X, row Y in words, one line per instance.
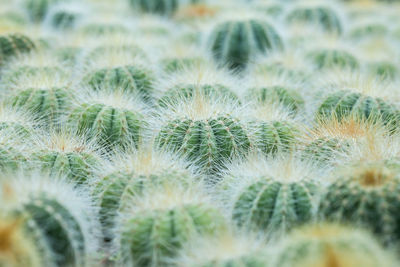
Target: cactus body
column 172, row 65
column 324, row 149
column 161, row 7
column 11, row 159
column 319, row 16
column 384, row 70
column 111, row 126
column 366, row 195
column 236, row 43
column 324, row 59
column 14, row 45
column 63, row 19
column 129, row 78
column 37, row 9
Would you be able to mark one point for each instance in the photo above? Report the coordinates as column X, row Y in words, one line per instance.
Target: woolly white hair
column 9, row 114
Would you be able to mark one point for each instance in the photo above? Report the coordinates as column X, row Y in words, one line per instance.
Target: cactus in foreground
column 130, row 79
column 60, row 222
column 133, row 174
column 160, row 223
column 326, row 59
column 224, row 250
column 115, row 120
column 236, row 43
column 316, row 16
column 14, row 45
column 326, row 245
column 271, row 195
column 204, row 131
column 366, row 194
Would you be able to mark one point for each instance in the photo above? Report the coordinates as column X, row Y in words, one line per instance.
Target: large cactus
column 236, row 43
column 13, row 45
column 331, row 245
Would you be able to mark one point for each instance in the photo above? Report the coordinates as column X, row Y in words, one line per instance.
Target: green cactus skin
column 277, row 94
column 330, row 245
column 14, row 45
column 173, row 65
column 111, row 127
column 160, row 7
column 271, row 137
column 37, row 9
column 368, row 197
column 97, row 29
column 236, row 43
column 75, row 166
column 47, row 105
column 323, row 150
column 129, row 78
column 152, row 237
column 320, row 16
column 63, row 19
column 384, row 70
column 269, row 204
column 342, row 104
column 11, row 159
column 325, row 59
column 207, row 143
column 369, row 30
column 54, row 228
column 189, row 91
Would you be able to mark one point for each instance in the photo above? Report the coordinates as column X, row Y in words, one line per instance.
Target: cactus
column 325, row 59
column 37, row 9
column 172, row 65
column 128, row 78
column 273, row 195
column 366, row 194
column 331, row 245
column 97, row 29
column 17, row 123
column 133, row 174
column 344, row 103
column 236, row 43
column 317, row 16
column 162, row 222
column 60, row 221
column 369, row 30
column 114, row 120
column 14, row 45
column 161, row 7
column 384, row 70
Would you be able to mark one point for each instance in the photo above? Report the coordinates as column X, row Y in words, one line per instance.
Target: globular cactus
column 16, row 248
column 60, row 221
column 157, row 225
column 67, row 155
column 272, row 196
column 19, row 123
column 161, row 7
column 326, row 245
column 171, row 65
column 365, row 193
column 237, row 43
column 12, row 151
column 12, row 45
column 322, row 17
column 131, row 79
column 369, row 30
column 65, row 16
column 205, row 131
column 326, row 59
column 115, row 120
column 99, row 29
column 37, row 9
column 132, row 174
column 383, row 70
column 224, row 250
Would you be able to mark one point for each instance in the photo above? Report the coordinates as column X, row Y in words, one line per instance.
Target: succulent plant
column 330, row 244
column 161, row 7
column 325, row 59
column 236, row 43
column 384, row 70
column 13, row 45
column 37, row 9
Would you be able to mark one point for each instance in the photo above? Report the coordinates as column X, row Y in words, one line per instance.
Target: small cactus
column 236, row 43
column 161, row 7
column 326, row 245
column 160, row 223
column 14, row 45
column 326, row 59
column 383, row 70
column 316, row 16
column 37, row 9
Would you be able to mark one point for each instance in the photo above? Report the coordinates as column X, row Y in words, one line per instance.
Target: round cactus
column 236, row 43
column 60, row 222
column 37, row 9
column 129, row 78
column 331, row 245
column 323, row 59
column 161, row 7
column 366, row 193
column 369, row 30
column 172, row 65
column 384, row 70
column 273, row 196
column 344, row 103
column 162, row 222
column 277, row 94
column 17, row 123
column 14, row 45
column 112, row 119
column 317, row 16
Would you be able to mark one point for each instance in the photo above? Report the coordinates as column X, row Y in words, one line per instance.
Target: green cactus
column 11, row 159
column 172, row 65
column 366, row 194
column 324, row 149
column 97, row 29
column 64, row 18
column 323, row 59
column 277, row 94
column 37, row 9
column 161, row 7
column 384, row 70
column 128, row 78
column 13, row 45
column 113, row 127
column 151, row 236
column 317, row 16
column 236, row 43
column 331, row 245
column 344, row 104
column 369, row 30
